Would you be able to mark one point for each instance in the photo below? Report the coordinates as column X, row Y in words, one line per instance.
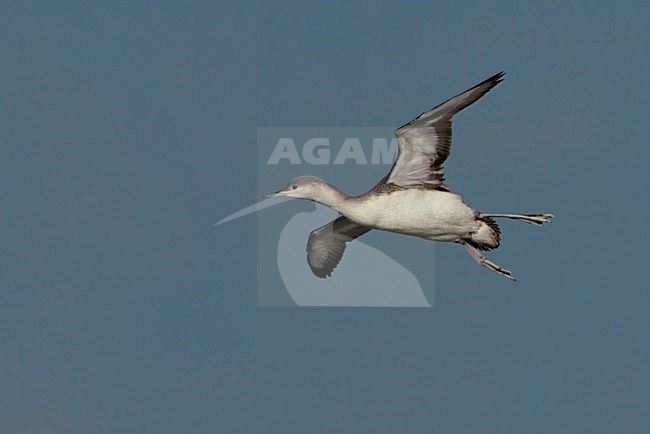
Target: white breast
column 430, row 214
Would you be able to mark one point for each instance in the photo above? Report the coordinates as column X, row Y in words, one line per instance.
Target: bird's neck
column 331, row 197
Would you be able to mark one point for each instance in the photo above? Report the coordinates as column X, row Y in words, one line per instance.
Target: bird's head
column 310, row 188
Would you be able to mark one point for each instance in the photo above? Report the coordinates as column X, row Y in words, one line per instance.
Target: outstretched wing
column 326, row 245
column 425, row 142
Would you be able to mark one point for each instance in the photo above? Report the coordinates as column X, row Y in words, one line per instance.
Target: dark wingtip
column 321, row 273
column 496, row 78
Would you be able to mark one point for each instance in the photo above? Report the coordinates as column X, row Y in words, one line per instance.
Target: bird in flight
column 412, row 199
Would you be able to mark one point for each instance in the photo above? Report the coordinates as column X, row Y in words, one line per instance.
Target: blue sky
column 128, row 128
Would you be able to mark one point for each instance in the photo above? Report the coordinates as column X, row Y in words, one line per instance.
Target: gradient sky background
column 128, row 128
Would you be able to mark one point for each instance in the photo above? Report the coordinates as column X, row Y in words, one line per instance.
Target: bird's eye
column 294, row 186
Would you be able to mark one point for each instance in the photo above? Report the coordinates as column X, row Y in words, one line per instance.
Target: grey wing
column 326, row 245
column 425, row 142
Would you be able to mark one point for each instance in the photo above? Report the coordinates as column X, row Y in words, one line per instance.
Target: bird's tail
column 488, row 235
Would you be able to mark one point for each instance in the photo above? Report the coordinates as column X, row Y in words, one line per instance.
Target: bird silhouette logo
column 367, row 278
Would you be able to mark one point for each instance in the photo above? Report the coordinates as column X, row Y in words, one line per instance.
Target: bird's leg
column 486, row 262
column 533, row 219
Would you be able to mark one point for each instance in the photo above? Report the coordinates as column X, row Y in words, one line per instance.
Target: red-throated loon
column 412, row 199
